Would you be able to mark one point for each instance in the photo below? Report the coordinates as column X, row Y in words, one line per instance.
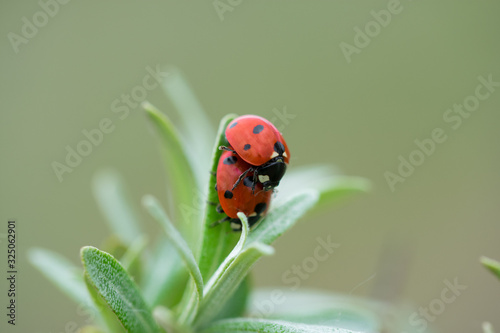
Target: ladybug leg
column 219, row 209
column 227, row 149
column 216, row 223
column 254, row 180
column 241, row 177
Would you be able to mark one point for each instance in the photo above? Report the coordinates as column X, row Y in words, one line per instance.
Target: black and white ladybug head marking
column 279, row 150
column 271, row 173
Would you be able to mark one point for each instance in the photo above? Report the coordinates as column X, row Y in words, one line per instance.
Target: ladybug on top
column 259, row 143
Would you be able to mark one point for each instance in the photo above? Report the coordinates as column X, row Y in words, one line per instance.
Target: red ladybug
column 260, row 144
column 240, row 198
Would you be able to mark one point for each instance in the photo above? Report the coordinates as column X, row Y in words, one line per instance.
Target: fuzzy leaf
column 195, row 126
column 323, row 308
column 237, row 304
column 339, row 187
column 117, row 289
column 245, row 325
column 62, row 272
column 283, row 217
column 182, row 184
column 230, row 274
column 218, row 240
column 155, row 209
column 131, row 259
column 115, row 204
column 231, row 256
column 166, row 277
column 323, row 178
column 487, row 327
column 109, row 319
column 492, row 265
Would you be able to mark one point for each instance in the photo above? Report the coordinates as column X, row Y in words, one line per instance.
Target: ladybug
column 240, row 198
column 259, row 143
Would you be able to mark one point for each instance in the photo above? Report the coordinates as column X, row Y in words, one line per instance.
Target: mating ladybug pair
column 250, row 168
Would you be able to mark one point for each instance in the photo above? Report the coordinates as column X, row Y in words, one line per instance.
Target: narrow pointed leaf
column 118, row 290
column 340, row 187
column 283, row 217
column 245, row 325
column 131, row 259
column 218, row 240
column 182, row 182
column 231, row 256
column 188, row 311
column 230, row 274
column 166, row 319
column 166, row 279
column 155, row 209
column 237, row 304
column 109, row 319
column 331, row 185
column 62, row 272
column 487, row 327
column 323, row 308
column 492, row 265
column 115, row 204
column 195, row 125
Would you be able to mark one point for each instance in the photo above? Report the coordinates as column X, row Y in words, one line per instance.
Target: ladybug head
column 271, row 173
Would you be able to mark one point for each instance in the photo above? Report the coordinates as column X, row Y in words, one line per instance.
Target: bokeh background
column 256, row 58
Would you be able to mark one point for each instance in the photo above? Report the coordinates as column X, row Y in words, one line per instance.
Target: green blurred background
column 266, row 56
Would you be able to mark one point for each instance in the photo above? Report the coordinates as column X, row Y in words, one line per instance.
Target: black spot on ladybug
column 257, row 129
column 228, row 195
column 279, row 148
column 230, row 160
column 247, row 146
column 260, row 208
column 233, row 124
column 248, row 182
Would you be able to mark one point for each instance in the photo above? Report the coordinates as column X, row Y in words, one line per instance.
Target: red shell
column 241, row 199
column 254, row 138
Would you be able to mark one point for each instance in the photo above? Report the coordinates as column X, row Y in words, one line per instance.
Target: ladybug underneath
column 259, row 143
column 239, row 198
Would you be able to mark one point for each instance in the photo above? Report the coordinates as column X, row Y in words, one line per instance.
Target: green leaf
column 340, row 187
column 492, row 265
column 90, row 329
column 166, row 277
column 218, row 240
column 237, row 304
column 245, row 325
column 323, row 308
column 182, row 182
column 231, row 256
column 195, row 126
column 115, row 204
column 109, row 319
column 62, row 272
column 166, row 319
column 331, row 186
column 118, row 291
column 229, row 275
column 487, row 327
column 283, row 217
column 155, row 209
column 131, row 259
